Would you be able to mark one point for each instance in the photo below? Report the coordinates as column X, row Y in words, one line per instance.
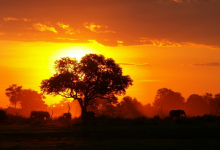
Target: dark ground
column 108, row 135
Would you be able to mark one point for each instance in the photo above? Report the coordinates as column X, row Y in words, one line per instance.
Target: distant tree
column 95, row 103
column 214, row 104
column 197, row 105
column 32, row 100
column 166, row 99
column 207, row 97
column 103, row 107
column 93, row 77
column 130, row 108
column 14, row 94
column 150, row 110
column 25, row 98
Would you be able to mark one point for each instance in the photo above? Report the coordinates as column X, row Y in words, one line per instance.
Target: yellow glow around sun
column 77, row 52
column 74, row 52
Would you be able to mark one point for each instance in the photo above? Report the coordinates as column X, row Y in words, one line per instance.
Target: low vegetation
column 106, row 120
column 19, row 132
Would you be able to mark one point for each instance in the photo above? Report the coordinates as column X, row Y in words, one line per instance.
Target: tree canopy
column 25, row 98
column 130, row 108
column 13, row 92
column 92, row 77
column 197, row 104
column 168, row 99
column 32, row 100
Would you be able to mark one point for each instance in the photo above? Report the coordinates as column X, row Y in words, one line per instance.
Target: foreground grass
column 113, row 133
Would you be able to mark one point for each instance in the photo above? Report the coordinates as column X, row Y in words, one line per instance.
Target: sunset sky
column 159, row 43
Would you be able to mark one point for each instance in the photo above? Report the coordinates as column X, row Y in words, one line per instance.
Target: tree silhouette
column 93, row 77
column 95, row 103
column 130, row 108
column 14, row 93
column 197, row 104
column 214, row 104
column 26, row 98
column 32, row 100
column 168, row 99
column 207, row 97
column 103, row 107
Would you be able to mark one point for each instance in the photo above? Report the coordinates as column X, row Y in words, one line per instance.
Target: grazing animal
column 177, row 113
column 40, row 115
column 90, row 115
column 67, row 116
column 3, row 115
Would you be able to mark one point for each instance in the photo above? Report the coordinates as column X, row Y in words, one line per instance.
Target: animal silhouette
column 40, row 115
column 67, row 116
column 177, row 113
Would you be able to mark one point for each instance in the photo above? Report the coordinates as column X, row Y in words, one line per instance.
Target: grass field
column 104, row 133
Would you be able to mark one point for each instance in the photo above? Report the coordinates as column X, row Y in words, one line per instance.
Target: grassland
column 112, row 133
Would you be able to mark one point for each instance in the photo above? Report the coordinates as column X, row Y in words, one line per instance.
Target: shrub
column 140, row 121
column 179, row 121
column 209, row 118
column 3, row 116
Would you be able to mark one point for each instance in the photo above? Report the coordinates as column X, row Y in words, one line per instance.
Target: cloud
column 97, row 28
column 25, row 19
column 63, row 25
column 159, row 43
column 178, row 1
column 208, row 64
column 41, row 27
column 10, row 19
column 147, row 80
column 143, row 64
column 67, row 28
column 167, row 23
column 16, row 19
column 68, row 39
column 126, row 64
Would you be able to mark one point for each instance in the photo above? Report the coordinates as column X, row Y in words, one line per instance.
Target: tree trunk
column 83, row 112
column 83, row 106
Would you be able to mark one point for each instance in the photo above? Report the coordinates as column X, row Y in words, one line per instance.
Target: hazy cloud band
column 142, row 22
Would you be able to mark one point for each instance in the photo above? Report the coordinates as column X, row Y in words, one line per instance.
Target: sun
column 77, row 51
column 74, row 52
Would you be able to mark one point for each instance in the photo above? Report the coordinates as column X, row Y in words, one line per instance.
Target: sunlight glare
column 74, row 52
column 71, row 51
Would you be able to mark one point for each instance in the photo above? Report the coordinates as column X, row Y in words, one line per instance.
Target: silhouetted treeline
column 165, row 100
column 26, row 100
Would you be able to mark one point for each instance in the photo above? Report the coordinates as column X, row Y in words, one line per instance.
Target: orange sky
column 170, row 43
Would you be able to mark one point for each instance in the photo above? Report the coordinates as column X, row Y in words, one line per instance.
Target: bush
column 3, row 116
column 156, row 120
column 178, row 120
column 209, row 118
column 140, row 121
